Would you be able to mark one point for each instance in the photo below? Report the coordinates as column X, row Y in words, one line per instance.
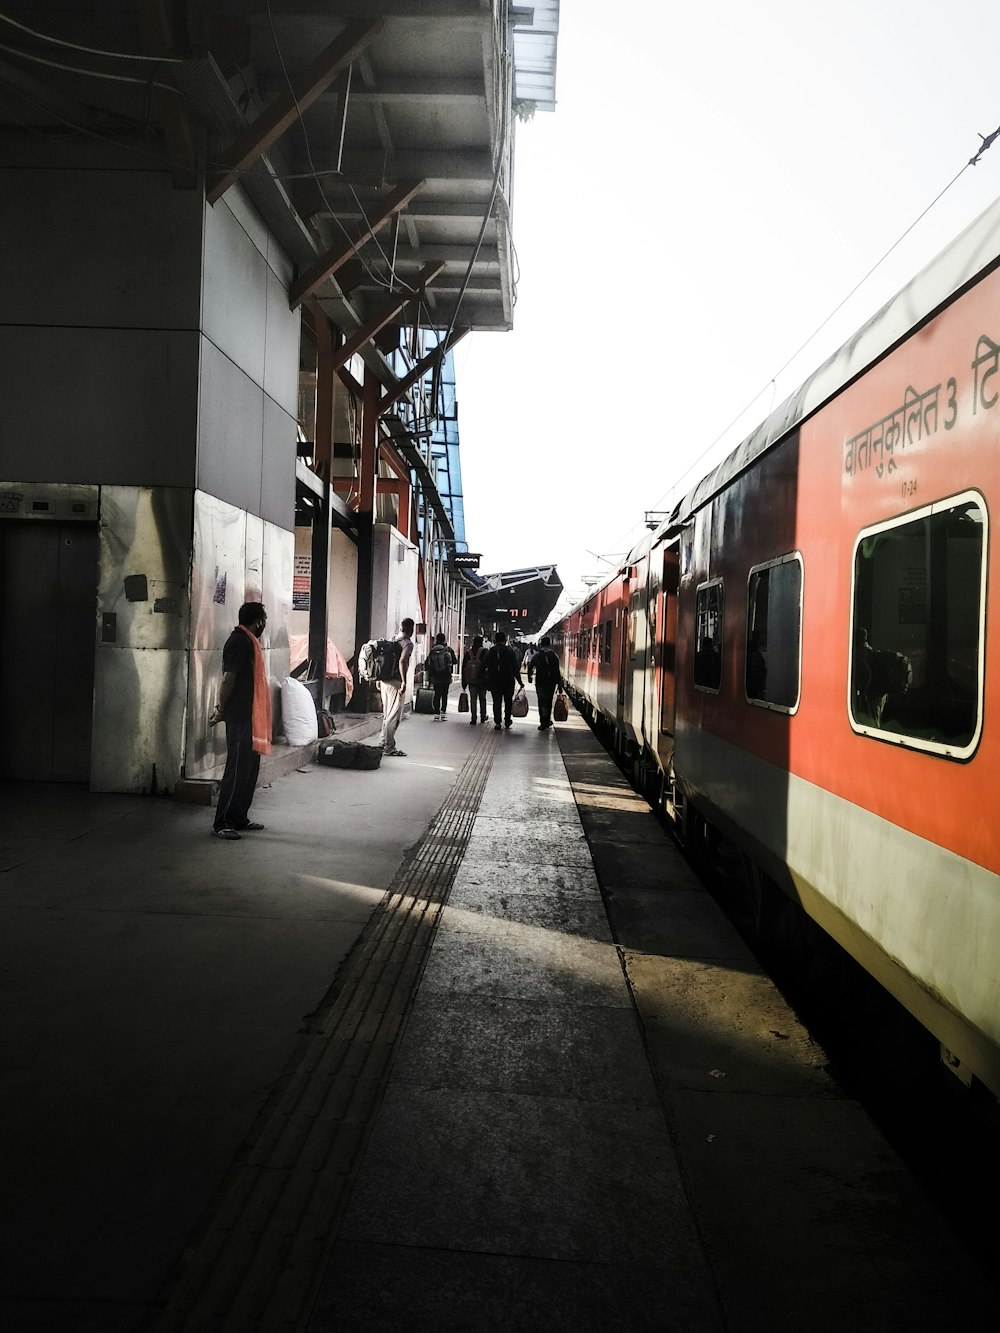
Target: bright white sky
column 714, row 181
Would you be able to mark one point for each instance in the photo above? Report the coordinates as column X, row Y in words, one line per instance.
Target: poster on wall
column 301, row 579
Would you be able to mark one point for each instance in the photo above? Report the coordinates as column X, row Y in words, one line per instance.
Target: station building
column 238, row 243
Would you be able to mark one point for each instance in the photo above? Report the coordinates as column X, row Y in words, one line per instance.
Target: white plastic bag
column 298, row 713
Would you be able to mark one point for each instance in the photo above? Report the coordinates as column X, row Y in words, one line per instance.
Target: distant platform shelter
column 518, row 601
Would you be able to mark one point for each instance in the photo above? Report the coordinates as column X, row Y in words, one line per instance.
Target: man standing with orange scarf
column 245, row 707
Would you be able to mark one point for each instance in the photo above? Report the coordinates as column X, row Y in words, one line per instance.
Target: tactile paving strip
column 258, row 1261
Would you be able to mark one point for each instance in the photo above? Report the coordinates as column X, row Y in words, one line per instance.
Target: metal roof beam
column 422, row 90
column 385, row 316
column 335, row 258
column 43, row 97
column 435, row 355
column 456, row 11
column 448, row 254
column 425, row 208
column 305, row 87
column 461, row 164
column 170, row 110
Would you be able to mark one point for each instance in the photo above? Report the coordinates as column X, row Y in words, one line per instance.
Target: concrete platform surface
column 153, row 983
column 456, row 1044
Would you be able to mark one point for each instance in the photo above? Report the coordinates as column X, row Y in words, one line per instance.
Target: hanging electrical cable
column 365, row 263
column 986, row 144
column 87, row 73
column 89, row 50
column 501, row 155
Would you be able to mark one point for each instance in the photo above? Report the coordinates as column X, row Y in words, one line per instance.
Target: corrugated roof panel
column 535, row 56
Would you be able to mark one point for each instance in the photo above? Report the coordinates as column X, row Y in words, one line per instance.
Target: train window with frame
column 600, row 641
column 772, row 674
column 708, row 636
column 918, row 618
column 608, row 629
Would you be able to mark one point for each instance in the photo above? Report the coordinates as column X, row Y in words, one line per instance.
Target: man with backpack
column 440, row 663
column 544, row 666
column 474, row 679
column 392, row 688
column 502, row 670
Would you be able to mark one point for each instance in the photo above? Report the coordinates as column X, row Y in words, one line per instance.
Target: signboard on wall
column 301, row 582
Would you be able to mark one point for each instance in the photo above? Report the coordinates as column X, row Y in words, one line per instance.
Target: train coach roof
column 971, row 253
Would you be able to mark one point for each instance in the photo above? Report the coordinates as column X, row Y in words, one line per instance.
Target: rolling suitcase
column 424, row 701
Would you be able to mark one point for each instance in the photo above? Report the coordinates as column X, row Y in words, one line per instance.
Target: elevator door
column 48, row 599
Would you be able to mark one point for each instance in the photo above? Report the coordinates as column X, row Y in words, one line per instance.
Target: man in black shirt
column 236, row 709
column 502, row 670
column 544, row 666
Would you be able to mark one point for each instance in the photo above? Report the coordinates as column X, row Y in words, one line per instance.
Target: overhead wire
column 365, row 262
column 391, row 283
column 89, row 50
column 128, row 145
column 501, row 154
column 987, row 142
column 88, row 73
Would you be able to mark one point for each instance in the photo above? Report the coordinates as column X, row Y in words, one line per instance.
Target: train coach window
column 917, row 652
column 708, row 636
column 774, row 634
column 607, row 640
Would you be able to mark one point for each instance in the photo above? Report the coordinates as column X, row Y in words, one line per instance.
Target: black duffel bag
column 348, row 754
column 337, row 754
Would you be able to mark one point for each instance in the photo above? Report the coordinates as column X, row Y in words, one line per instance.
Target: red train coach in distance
column 805, row 654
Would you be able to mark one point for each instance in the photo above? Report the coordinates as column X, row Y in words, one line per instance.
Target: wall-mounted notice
column 301, row 580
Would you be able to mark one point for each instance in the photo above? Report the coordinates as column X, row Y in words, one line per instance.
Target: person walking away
column 502, row 672
column 245, row 707
column 474, row 678
column 441, row 661
column 544, row 666
column 393, row 692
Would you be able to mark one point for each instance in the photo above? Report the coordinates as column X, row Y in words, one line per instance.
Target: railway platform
column 456, row 1044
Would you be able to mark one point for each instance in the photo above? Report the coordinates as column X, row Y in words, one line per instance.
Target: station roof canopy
column 518, row 601
column 375, row 137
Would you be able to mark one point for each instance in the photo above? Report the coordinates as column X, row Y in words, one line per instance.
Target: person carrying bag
column 502, row 672
column 474, row 680
column 440, row 661
column 548, row 678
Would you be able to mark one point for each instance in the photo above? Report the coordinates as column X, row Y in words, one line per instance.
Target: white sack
column 298, row 713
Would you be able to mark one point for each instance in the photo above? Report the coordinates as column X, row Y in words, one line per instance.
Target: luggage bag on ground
column 424, row 700
column 348, row 754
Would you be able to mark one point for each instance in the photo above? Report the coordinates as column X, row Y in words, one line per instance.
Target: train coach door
column 623, row 643
column 668, row 639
